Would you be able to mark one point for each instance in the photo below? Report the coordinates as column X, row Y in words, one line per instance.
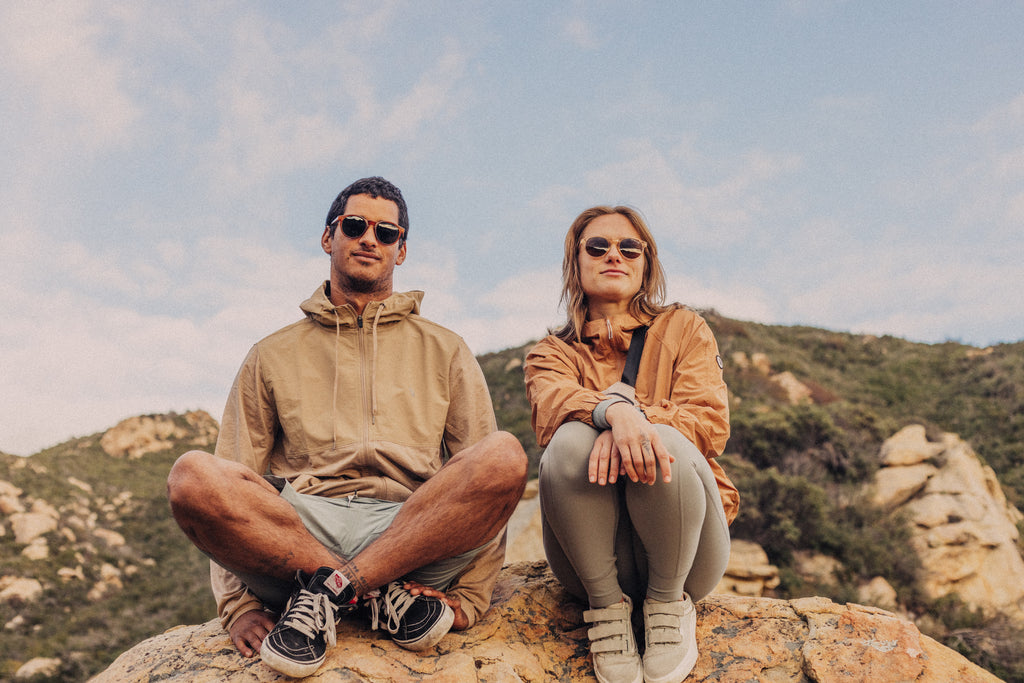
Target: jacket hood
column 319, row 308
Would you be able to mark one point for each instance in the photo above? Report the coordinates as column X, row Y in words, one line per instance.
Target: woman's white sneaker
column 670, row 629
column 613, row 645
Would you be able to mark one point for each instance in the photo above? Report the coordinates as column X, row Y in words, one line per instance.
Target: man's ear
column 401, row 254
column 325, row 240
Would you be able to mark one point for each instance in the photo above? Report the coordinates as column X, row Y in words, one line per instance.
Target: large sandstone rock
column 534, row 633
column 749, row 573
column 137, row 436
column 965, row 531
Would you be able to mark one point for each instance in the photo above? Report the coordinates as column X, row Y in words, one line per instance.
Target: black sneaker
column 297, row 645
column 416, row 622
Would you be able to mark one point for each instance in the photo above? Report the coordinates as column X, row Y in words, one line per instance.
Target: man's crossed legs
column 240, row 520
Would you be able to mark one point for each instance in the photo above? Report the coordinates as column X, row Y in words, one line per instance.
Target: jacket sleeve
column 698, row 402
column 246, row 436
column 249, row 424
column 476, row 583
column 554, row 389
column 471, row 418
column 233, row 599
column 470, row 413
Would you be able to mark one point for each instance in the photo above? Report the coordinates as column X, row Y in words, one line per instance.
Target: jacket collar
column 318, row 307
column 614, row 332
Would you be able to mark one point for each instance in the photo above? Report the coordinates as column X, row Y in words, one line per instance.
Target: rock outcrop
column 534, row 633
column 749, row 573
column 137, row 436
column 965, row 531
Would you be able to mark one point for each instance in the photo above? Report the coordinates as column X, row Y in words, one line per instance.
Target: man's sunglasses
column 629, row 247
column 353, row 227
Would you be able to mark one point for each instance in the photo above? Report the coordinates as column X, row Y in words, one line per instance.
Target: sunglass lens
column 353, row 226
column 388, row 233
column 597, row 246
column 631, row 248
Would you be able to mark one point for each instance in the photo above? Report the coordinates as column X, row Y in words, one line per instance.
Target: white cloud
column 434, row 94
column 58, row 81
column 75, row 363
column 580, row 33
column 722, row 210
column 1008, row 116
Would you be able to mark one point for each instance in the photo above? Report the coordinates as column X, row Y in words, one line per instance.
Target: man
column 357, row 466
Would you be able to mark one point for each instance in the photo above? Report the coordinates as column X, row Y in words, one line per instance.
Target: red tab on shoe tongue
column 336, row 582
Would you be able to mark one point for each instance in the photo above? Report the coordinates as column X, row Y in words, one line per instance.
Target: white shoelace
column 395, row 603
column 310, row 614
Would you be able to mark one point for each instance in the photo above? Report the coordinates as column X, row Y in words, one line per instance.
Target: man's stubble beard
column 366, row 286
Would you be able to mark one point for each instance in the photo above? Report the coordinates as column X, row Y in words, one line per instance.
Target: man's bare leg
column 460, row 508
column 238, row 518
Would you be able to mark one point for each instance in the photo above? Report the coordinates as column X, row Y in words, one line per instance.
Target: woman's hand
column 637, row 448
column 461, row 622
column 605, row 466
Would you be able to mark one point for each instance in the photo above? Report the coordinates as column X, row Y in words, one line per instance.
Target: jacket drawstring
column 373, row 371
column 334, row 392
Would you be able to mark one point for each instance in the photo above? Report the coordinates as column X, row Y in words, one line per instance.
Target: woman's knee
column 568, row 453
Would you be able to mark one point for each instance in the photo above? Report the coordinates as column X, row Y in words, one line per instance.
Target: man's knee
column 508, row 462
column 191, row 478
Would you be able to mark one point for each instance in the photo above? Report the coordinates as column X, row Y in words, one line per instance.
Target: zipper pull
column 359, row 321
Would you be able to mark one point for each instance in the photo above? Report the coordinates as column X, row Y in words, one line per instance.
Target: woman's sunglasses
column 629, row 247
column 354, row 226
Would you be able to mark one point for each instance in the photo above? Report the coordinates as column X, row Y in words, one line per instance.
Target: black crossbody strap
column 636, row 350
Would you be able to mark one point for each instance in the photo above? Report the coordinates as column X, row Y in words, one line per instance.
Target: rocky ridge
column 535, row 633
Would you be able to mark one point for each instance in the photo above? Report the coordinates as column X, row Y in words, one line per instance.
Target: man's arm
column 470, row 413
column 246, row 436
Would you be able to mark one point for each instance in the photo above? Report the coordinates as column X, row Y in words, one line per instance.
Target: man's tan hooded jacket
column 372, row 405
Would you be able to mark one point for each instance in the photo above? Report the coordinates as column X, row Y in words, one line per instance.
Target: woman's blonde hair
column 646, row 303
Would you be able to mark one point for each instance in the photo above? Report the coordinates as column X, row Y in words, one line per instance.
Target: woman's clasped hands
column 631, row 448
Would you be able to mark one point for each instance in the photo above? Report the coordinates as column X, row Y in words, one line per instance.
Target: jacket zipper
column 364, row 393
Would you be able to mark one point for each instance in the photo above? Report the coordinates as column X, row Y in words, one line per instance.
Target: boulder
column 796, row 392
column 19, row 591
column 964, row 530
column 749, row 572
column 39, row 667
column 535, row 633
column 29, row 526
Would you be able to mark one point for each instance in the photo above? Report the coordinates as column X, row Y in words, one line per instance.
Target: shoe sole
column 681, row 671
column 287, row 666
column 434, row 635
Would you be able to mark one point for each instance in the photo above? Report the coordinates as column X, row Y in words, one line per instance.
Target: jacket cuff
column 598, row 416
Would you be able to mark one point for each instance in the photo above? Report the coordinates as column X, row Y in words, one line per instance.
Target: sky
column 166, row 169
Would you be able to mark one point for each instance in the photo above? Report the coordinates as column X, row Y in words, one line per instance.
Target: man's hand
column 638, row 447
column 249, row 630
column 461, row 622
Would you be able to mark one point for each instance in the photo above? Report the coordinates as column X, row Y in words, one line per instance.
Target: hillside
column 810, row 409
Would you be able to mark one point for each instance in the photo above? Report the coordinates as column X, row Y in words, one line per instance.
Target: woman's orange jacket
column 679, row 382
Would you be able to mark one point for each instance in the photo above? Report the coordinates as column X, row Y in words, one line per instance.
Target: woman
column 615, row 532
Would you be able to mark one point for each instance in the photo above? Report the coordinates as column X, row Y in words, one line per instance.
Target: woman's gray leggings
column 642, row 540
